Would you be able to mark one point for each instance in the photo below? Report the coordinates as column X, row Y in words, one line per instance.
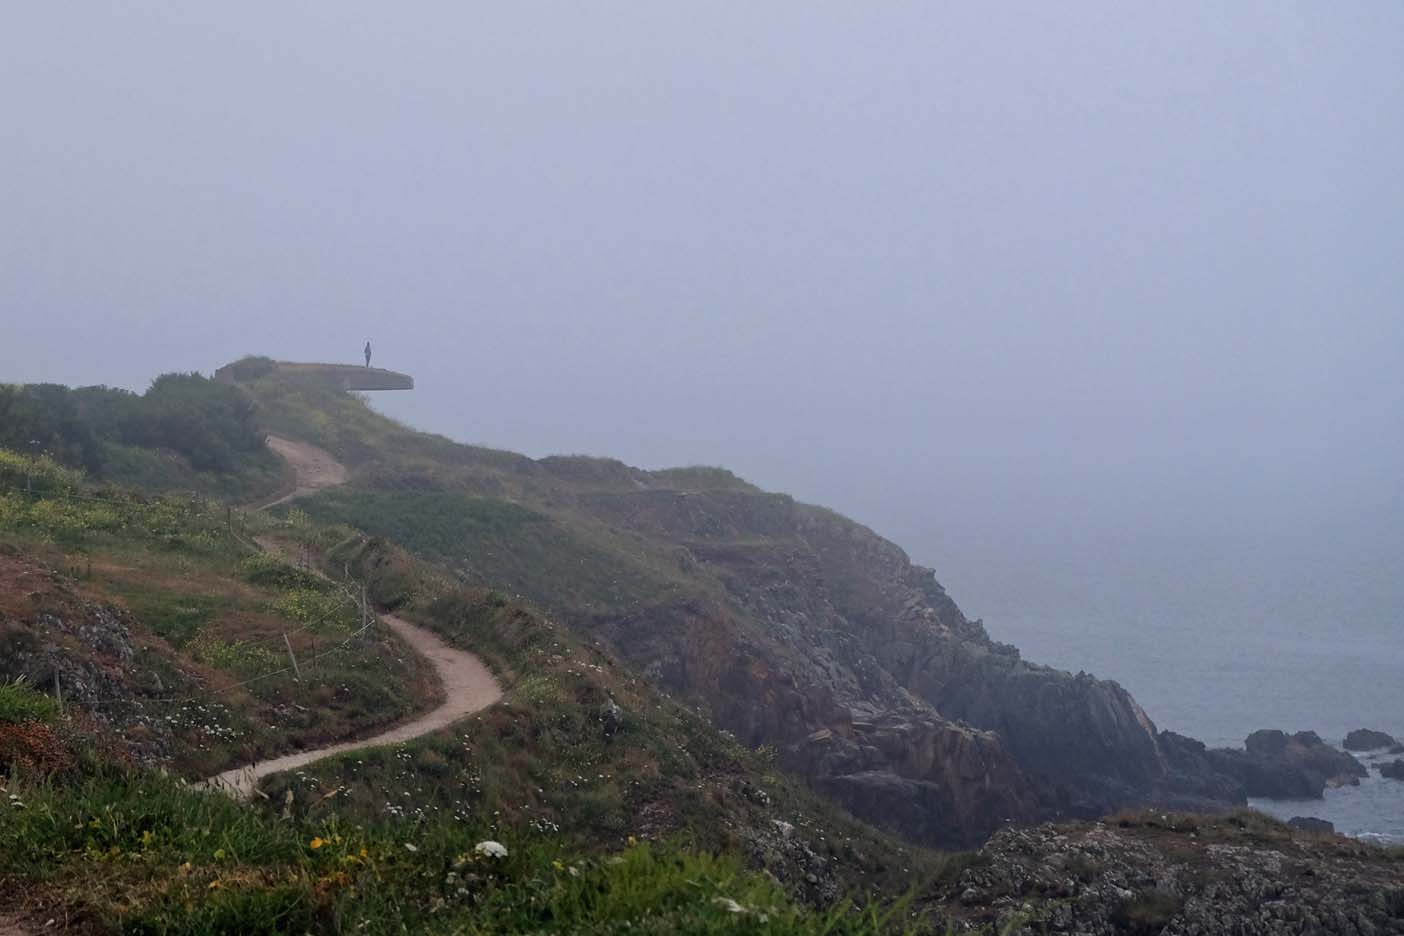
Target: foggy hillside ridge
column 925, row 463
column 813, row 642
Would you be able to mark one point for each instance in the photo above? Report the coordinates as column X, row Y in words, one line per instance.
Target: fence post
column 291, row 656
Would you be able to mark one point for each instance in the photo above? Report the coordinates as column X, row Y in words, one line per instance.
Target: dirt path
column 468, row 687
column 315, row 468
column 468, row 684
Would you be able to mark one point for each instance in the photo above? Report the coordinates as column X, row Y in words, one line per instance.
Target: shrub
column 19, row 704
column 211, row 425
column 1146, row 913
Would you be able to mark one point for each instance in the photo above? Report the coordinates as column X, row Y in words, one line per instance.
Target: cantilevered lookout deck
column 345, row 376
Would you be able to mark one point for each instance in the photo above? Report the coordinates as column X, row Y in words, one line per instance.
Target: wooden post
column 291, row 656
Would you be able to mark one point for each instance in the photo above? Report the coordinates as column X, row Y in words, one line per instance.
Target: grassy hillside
column 102, row 848
column 164, row 629
column 159, row 622
column 586, row 801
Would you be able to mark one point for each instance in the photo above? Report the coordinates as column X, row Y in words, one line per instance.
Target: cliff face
column 856, row 664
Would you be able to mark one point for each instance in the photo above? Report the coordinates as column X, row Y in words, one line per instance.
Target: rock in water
column 1276, row 765
column 1364, row 739
column 1312, row 825
column 1394, row 770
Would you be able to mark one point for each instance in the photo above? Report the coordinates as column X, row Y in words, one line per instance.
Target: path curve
column 469, row 686
column 314, row 468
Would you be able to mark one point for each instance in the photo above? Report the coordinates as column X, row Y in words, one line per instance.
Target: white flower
column 491, row 849
column 729, row 905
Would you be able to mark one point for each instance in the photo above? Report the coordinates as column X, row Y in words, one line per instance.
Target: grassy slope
column 155, row 611
column 551, row 770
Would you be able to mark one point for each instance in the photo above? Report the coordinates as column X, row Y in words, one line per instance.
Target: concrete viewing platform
column 345, row 376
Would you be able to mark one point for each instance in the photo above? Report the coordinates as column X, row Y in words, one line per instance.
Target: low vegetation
column 136, row 852
column 615, row 804
column 156, row 618
column 184, row 433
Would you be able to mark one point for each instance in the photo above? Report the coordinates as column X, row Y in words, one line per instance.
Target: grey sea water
column 1219, row 656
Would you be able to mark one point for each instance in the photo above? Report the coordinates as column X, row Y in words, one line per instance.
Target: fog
column 1095, row 308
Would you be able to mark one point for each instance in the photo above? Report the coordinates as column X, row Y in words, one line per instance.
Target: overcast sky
column 1019, row 285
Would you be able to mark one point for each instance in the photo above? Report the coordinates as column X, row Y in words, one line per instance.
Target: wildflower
column 411, row 848
column 633, row 841
column 215, row 885
column 491, row 849
column 317, row 843
column 729, row 905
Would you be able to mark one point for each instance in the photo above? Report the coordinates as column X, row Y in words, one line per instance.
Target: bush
column 211, row 425
column 1147, row 913
column 20, row 704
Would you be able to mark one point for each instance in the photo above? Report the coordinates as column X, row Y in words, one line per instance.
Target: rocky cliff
column 824, row 640
column 1237, row 875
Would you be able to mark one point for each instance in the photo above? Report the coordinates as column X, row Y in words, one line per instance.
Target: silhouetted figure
column 368, row 354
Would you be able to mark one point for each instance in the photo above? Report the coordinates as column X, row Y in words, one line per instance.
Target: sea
column 1219, row 650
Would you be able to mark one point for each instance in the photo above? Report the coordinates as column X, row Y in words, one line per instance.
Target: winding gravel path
column 468, row 684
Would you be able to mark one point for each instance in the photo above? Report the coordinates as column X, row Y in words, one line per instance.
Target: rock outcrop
column 1276, row 765
column 1365, row 739
column 1242, row 874
column 1392, row 770
column 1313, row 825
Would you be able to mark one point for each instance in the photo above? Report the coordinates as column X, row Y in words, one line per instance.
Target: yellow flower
column 215, row 885
column 633, row 841
column 219, row 855
column 558, row 866
column 317, row 843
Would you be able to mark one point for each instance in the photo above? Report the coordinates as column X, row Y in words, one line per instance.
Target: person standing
column 368, row 354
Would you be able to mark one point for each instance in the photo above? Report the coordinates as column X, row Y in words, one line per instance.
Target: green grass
column 19, row 703
column 204, row 613
column 139, row 853
column 497, row 542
